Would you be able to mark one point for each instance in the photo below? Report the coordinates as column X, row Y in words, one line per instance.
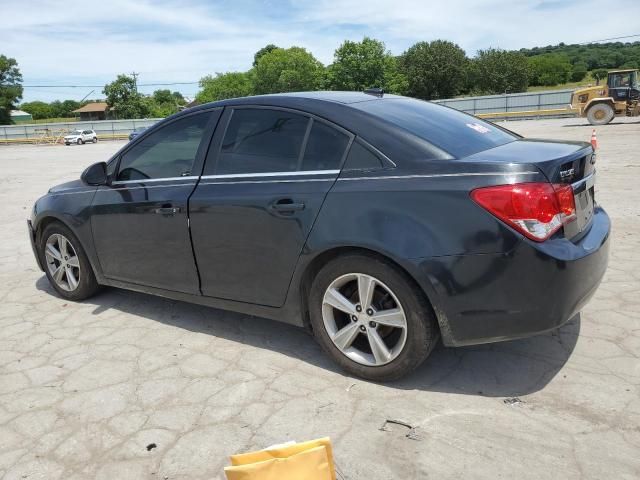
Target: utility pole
column 135, row 80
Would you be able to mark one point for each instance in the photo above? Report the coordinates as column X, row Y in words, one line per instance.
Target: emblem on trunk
column 566, row 174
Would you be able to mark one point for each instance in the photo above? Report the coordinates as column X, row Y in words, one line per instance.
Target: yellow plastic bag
column 312, row 460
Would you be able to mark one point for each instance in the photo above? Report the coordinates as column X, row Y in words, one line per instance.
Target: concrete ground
column 87, row 388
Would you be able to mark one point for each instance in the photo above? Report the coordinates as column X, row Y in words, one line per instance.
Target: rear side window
column 262, row 140
column 361, row 158
column 325, row 148
column 455, row 132
column 167, row 152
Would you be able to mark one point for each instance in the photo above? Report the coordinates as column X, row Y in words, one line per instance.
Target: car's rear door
column 265, row 179
column 140, row 220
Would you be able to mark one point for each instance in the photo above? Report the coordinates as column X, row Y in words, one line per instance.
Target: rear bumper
column 32, row 238
column 534, row 288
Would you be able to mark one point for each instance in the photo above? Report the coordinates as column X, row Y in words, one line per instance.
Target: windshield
column 455, row 132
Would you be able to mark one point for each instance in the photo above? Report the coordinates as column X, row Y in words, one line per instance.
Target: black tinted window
column 325, row 148
column 361, row 158
column 454, row 132
column 261, row 140
column 168, row 152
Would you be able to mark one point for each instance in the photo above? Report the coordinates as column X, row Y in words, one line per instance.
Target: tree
column 124, row 99
column 287, row 70
column 550, row 69
column 495, row 71
column 38, row 110
column 224, row 85
column 361, row 65
column 434, row 70
column 579, row 72
column 10, row 87
column 264, row 50
column 162, row 96
column 600, row 73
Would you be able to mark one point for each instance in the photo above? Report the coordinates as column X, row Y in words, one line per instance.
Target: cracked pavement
column 86, row 388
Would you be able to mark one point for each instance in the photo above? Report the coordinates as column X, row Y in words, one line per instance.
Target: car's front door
column 140, row 220
column 266, row 176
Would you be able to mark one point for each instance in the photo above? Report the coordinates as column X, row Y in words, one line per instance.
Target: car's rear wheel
column 370, row 318
column 66, row 264
column 600, row 114
column 80, row 142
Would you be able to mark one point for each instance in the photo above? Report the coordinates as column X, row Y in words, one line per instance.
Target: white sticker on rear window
column 478, row 128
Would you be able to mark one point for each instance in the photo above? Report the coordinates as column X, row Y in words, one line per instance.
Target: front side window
column 167, row 152
column 262, row 140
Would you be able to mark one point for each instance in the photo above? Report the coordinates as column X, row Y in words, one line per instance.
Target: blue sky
column 89, row 43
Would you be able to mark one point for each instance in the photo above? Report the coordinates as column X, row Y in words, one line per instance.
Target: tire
column 67, row 144
column 79, row 142
column 600, row 114
column 407, row 346
column 85, row 284
column 95, row 140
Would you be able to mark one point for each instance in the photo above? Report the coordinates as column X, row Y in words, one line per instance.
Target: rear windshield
column 455, row 132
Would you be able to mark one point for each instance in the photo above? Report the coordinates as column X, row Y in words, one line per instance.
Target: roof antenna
column 376, row 91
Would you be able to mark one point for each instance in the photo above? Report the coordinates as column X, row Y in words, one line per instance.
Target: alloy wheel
column 364, row 319
column 62, row 262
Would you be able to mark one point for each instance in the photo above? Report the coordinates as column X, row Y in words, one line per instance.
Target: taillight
column 537, row 210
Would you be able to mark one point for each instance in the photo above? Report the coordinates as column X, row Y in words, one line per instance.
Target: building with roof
column 93, row 111
column 20, row 116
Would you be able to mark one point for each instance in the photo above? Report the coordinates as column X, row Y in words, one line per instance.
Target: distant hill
column 594, row 55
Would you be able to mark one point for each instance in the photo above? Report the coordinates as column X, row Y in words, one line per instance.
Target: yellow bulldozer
column 619, row 97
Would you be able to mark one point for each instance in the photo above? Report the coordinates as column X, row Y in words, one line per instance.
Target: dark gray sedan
column 378, row 222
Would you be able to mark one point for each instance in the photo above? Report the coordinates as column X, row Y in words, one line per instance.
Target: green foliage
column 495, row 71
column 124, row 99
column 264, row 50
column 38, row 110
column 359, row 65
column 600, row 73
column 596, row 55
column 10, row 87
column 435, row 69
column 549, row 69
column 287, row 70
column 224, row 85
column 579, row 71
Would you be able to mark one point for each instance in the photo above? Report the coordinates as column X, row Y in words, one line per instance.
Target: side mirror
column 95, row 174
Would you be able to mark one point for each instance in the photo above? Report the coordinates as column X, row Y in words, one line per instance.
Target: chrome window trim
column 295, row 173
column 117, row 188
column 149, row 180
column 438, row 175
column 306, row 180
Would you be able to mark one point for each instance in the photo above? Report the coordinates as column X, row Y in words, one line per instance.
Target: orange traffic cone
column 594, row 139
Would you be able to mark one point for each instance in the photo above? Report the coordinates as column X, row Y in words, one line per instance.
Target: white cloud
column 86, row 42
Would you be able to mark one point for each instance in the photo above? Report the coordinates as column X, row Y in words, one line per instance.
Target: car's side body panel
column 234, row 252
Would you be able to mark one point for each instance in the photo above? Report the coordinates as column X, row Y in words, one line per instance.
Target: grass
column 46, row 120
column 588, row 80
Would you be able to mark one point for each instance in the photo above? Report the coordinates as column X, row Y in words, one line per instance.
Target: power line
column 612, row 38
column 102, row 86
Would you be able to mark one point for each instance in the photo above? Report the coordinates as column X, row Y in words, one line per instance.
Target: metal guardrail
column 551, row 103
column 52, row 133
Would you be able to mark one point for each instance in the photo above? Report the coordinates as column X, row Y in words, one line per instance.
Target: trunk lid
column 562, row 163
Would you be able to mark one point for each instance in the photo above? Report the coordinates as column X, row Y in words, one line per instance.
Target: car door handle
column 167, row 210
column 287, row 205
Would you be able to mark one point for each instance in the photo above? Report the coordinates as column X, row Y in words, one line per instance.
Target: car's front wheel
column 66, row 264
column 79, row 142
column 370, row 318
